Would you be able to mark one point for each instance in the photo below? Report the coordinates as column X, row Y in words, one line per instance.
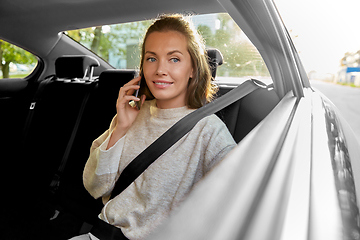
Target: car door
column 16, row 90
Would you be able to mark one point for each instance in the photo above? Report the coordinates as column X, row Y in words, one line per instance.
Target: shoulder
column 212, row 126
column 212, row 121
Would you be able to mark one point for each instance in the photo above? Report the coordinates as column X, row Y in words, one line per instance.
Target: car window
column 120, row 45
column 15, row 62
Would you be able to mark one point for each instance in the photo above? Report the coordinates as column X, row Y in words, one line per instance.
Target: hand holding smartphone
column 136, row 94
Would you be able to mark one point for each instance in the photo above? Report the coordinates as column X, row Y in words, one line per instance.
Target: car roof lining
column 37, row 19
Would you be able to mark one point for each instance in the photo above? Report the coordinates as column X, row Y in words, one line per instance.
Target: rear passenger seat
column 56, row 115
column 51, row 120
column 52, row 117
column 100, row 110
column 242, row 116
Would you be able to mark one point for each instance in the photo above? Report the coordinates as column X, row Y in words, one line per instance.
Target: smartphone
column 136, row 93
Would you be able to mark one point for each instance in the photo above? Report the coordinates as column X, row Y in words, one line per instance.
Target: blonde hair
column 200, row 88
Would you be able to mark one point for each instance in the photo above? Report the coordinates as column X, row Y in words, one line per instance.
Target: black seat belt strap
column 175, row 133
column 55, row 183
column 35, row 100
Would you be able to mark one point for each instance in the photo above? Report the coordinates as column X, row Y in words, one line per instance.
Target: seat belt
column 175, row 133
column 36, row 99
column 55, row 183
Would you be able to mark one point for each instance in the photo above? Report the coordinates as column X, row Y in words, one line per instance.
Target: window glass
column 15, row 62
column 120, row 45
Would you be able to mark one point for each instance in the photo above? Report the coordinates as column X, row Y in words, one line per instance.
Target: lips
column 162, row 84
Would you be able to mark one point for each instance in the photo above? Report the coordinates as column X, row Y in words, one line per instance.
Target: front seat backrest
column 75, row 66
column 215, row 59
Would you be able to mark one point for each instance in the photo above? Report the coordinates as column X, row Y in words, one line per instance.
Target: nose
column 161, row 68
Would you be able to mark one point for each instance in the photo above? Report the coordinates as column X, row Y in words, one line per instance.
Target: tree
column 207, row 35
column 12, row 54
column 104, row 40
column 97, row 39
column 241, row 58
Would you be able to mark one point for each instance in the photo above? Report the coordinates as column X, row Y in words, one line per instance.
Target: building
column 349, row 72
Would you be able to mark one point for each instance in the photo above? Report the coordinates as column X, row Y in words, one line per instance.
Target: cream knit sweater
column 161, row 188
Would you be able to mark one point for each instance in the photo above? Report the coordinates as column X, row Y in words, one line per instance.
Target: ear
column 192, row 73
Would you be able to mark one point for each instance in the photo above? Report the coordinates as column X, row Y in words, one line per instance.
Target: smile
column 162, row 84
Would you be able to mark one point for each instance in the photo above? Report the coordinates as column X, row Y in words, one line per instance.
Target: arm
column 101, row 168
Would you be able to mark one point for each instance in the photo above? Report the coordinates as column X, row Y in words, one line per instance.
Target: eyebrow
column 175, row 51
column 169, row 53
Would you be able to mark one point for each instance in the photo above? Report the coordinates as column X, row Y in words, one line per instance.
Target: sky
column 325, row 30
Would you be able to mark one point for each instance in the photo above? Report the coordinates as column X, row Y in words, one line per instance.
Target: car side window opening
column 15, row 62
column 119, row 44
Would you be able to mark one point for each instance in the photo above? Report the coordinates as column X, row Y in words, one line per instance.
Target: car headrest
column 215, row 59
column 75, row 66
column 115, row 78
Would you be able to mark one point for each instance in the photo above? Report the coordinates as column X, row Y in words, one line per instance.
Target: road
column 346, row 99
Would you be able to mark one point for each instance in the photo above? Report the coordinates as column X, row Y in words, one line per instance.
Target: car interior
column 60, row 94
column 51, row 127
column 49, row 124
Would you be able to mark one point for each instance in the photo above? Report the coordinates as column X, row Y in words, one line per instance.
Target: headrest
column 215, row 59
column 115, row 78
column 75, row 66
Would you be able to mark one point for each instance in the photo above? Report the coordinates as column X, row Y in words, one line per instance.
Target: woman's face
column 167, row 68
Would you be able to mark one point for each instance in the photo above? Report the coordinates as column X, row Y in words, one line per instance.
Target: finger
column 127, row 90
column 134, row 104
column 126, row 99
column 133, row 81
column 128, row 86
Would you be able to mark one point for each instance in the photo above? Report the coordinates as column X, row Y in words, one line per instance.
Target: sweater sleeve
column 102, row 166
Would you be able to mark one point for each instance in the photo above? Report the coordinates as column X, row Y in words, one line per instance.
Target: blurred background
column 326, row 34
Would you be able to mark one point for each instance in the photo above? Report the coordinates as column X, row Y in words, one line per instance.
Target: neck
column 169, row 104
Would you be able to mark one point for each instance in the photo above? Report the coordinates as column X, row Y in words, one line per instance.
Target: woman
column 177, row 81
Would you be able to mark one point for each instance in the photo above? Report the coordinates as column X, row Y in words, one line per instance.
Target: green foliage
column 12, row 54
column 108, row 40
column 241, row 58
column 115, row 41
column 205, row 32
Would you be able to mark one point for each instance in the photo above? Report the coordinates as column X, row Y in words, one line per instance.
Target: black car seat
column 52, row 117
column 242, row 116
column 101, row 108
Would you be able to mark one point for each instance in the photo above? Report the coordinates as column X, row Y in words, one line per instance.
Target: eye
column 175, row 60
column 151, row 59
